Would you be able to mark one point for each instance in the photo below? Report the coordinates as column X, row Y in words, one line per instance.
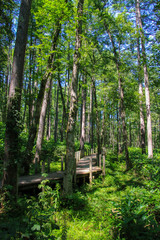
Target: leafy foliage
column 124, row 205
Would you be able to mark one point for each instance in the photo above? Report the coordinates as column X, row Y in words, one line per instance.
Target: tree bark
column 56, row 113
column 42, row 121
column 14, row 101
column 142, row 124
column 83, row 117
column 97, row 119
column 121, row 94
column 64, row 114
column 119, row 130
column 34, row 127
column 146, row 82
column 48, row 132
column 70, row 167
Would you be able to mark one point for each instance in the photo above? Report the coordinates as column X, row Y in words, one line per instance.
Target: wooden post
column 61, row 163
column 74, row 176
column 103, row 172
column 100, row 160
column 76, row 157
column 90, row 170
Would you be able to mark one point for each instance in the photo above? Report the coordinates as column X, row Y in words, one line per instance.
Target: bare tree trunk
column 142, row 124
column 14, row 101
column 70, row 153
column 48, row 132
column 64, row 115
column 119, row 131
column 88, row 122
column 103, row 128
column 83, row 122
column 91, row 117
column 56, row 113
column 146, row 81
column 97, row 119
column 42, row 121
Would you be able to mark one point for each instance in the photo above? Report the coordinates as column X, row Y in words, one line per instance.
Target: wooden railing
column 100, row 162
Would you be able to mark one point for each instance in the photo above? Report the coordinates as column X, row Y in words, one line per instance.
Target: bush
column 53, row 150
column 77, row 146
column 41, row 213
column 132, row 218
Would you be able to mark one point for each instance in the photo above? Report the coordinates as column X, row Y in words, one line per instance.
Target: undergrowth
column 124, row 205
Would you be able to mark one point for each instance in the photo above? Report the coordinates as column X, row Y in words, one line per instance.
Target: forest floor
column 123, row 205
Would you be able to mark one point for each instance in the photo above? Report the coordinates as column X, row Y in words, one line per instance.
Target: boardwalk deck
column 82, row 171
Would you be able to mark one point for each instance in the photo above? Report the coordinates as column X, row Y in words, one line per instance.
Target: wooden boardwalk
column 82, row 172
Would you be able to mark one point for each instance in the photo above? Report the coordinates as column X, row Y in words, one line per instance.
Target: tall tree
column 46, row 78
column 146, row 82
column 142, row 124
column 83, row 116
column 121, row 94
column 70, row 167
column 14, row 100
column 42, row 119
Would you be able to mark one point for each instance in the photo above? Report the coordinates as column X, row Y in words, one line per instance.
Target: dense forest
column 80, row 77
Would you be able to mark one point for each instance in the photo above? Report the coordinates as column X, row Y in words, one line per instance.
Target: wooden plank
column 83, row 169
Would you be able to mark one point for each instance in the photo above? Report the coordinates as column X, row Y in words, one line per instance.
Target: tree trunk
column 48, row 132
column 142, row 124
column 64, row 115
column 14, row 101
column 42, row 121
column 83, row 117
column 34, row 127
column 119, row 131
column 121, row 94
column 56, row 113
column 97, row 119
column 146, row 82
column 70, row 167
column 91, row 117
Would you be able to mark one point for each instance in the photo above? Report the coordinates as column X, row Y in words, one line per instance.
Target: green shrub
column 41, row 213
column 53, row 150
column 132, row 218
column 77, row 146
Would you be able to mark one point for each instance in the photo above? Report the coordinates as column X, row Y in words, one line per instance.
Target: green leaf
column 36, row 227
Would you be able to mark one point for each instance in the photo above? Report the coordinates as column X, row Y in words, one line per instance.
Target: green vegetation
column 124, row 205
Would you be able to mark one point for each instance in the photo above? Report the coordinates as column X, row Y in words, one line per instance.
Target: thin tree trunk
column 146, row 82
column 83, row 122
column 121, row 94
column 64, row 114
column 34, row 126
column 119, row 131
column 91, row 118
column 88, row 121
column 14, row 101
column 56, row 113
column 142, row 124
column 97, row 119
column 70, row 167
column 42, row 121
column 48, row 132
